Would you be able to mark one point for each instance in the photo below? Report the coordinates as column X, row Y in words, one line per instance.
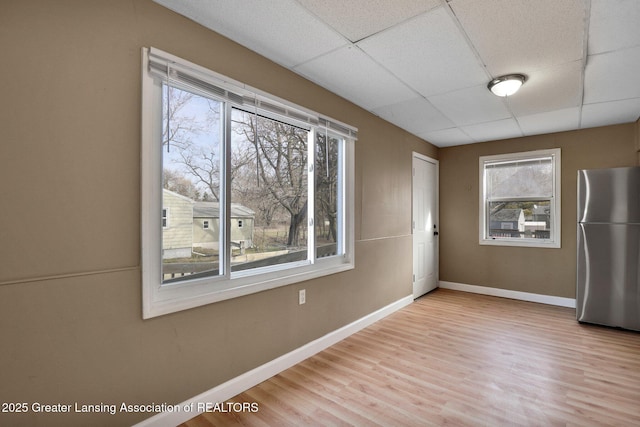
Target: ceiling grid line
column 585, row 55
column 447, row 6
column 424, row 65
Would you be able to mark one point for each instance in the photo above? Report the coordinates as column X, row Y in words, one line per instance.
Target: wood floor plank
column 454, row 358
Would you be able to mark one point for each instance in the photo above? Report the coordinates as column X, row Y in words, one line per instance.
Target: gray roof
column 506, row 215
column 541, row 210
column 212, row 210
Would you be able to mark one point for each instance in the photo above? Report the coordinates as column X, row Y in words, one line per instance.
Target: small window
column 520, row 199
column 205, row 225
column 239, row 223
column 165, row 218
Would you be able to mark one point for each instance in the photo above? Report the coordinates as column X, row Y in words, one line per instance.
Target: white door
column 425, row 224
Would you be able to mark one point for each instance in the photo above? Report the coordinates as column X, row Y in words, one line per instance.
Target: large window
column 259, row 191
column 520, row 199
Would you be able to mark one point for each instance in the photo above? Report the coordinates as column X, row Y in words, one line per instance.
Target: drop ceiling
column 424, row 65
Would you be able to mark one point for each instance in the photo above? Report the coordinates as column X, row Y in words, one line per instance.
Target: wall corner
column 637, row 140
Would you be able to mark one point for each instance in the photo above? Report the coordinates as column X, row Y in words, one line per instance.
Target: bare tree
column 178, row 127
column 269, row 166
column 191, row 138
column 178, row 183
column 279, row 154
column 203, row 164
column 327, row 184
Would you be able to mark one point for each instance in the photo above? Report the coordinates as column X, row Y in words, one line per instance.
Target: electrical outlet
column 302, row 296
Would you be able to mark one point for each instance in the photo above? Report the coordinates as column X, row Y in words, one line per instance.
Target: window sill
column 527, row 243
column 190, row 294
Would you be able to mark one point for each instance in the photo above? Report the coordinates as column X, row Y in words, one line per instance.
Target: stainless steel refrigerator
column 608, row 288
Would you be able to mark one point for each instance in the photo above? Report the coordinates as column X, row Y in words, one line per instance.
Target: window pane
column 269, row 186
column 526, row 178
column 327, row 221
column 192, row 141
column 518, row 219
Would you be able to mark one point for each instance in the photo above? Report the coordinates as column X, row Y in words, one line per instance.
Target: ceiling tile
column 264, row 27
column 357, row 19
column 613, row 26
column 428, row 53
column 549, row 89
column 470, row 106
column 354, row 76
column 610, row 113
column 512, row 35
column 490, row 131
column 424, row 64
column 611, row 76
column 447, row 137
column 415, row 115
column 550, row 121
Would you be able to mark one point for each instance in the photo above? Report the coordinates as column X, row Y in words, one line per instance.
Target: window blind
column 532, row 178
column 167, row 67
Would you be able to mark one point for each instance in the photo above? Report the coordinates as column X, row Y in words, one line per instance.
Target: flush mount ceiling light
column 506, row 85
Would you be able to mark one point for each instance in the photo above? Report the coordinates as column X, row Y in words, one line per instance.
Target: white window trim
column 157, row 299
column 555, row 242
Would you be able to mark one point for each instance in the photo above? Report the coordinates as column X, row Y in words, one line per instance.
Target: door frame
column 436, row 163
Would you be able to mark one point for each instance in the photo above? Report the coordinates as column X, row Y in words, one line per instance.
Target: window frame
column 158, row 298
column 555, row 202
column 165, row 218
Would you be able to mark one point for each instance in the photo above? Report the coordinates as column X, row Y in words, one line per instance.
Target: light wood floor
column 459, row 359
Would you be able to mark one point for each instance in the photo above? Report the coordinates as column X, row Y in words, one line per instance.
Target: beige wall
column 541, row 271
column 70, row 292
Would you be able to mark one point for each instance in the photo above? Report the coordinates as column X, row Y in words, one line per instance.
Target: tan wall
column 638, row 139
column 70, row 291
column 541, row 271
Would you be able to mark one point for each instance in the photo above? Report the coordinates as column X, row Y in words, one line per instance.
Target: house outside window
column 520, row 199
column 270, row 182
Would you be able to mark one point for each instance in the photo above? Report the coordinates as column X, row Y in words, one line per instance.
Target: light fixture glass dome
column 506, row 85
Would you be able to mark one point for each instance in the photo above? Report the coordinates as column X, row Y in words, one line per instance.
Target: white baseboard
column 255, row 376
column 505, row 293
